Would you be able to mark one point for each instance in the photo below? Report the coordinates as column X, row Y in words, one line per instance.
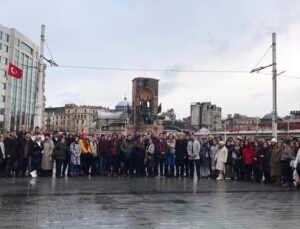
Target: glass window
column 3, row 60
column 0, row 46
column 3, row 86
column 5, row 47
column 26, row 48
column 1, row 34
column 2, row 111
column 2, row 73
column 2, row 98
column 6, row 37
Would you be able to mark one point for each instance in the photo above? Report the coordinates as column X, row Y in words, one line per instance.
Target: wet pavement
column 100, row 202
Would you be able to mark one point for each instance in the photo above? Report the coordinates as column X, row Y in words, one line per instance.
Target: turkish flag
column 14, row 71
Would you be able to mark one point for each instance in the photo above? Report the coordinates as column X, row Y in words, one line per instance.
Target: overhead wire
column 267, row 51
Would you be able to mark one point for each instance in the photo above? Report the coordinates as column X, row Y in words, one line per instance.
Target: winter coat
column 114, row 148
column 11, row 147
column 85, row 147
column 2, row 150
column 180, row 149
column 60, row 151
column 161, row 149
column 103, row 148
column 205, row 155
column 94, row 148
column 221, row 158
column 248, row 154
column 127, row 147
column 140, row 150
column 75, row 151
column 171, row 146
column 36, row 150
column 150, row 149
column 25, row 148
column 47, row 162
column 297, row 159
column 193, row 149
column 275, row 162
column 213, row 151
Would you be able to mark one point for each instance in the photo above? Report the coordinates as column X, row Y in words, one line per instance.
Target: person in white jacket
column 221, row 159
column 297, row 169
column 193, row 149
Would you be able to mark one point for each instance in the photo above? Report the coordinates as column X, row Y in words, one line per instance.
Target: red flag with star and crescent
column 14, row 71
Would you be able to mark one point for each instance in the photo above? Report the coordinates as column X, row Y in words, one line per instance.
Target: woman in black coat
column 36, row 154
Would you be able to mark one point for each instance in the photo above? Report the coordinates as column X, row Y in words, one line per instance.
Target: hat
column 274, row 140
column 221, row 143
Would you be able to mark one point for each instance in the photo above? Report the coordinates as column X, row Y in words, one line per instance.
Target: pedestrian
column 59, row 155
column 47, row 161
column 140, row 152
column 85, row 157
column 221, row 159
column 287, row 172
column 2, row 155
column 213, row 151
column 36, row 155
column 180, row 153
column 103, row 153
column 275, row 161
column 236, row 155
column 193, row 149
column 266, row 155
column 248, row 154
column 205, row 159
column 161, row 150
column 94, row 153
column 170, row 156
column 150, row 149
column 26, row 146
column 75, row 151
column 127, row 148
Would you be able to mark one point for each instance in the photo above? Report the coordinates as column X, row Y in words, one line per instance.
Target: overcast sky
column 166, row 34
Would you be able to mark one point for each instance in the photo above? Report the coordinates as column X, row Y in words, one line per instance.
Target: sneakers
column 219, row 178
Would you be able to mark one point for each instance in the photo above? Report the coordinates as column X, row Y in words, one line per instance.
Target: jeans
column 59, row 164
column 102, row 164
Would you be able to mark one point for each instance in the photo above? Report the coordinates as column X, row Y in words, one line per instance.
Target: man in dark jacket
column 161, row 148
column 127, row 148
column 180, row 152
column 25, row 149
column 10, row 154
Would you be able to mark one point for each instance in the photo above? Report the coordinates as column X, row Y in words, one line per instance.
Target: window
column 6, row 37
column 82, row 122
column 0, row 46
column 3, row 60
column 1, row 34
column 5, row 48
column 26, row 48
column 3, row 86
column 2, row 73
column 1, row 111
column 2, row 98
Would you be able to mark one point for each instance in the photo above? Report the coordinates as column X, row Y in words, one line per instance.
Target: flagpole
column 38, row 119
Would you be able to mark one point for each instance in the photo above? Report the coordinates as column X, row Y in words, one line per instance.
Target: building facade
column 238, row 122
column 71, row 118
column 17, row 96
column 206, row 115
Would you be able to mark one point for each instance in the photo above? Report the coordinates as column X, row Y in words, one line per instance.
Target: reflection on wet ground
column 100, row 202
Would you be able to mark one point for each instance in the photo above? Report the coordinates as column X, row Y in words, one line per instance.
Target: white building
column 17, row 97
column 206, row 115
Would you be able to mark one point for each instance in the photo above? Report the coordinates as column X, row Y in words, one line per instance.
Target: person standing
column 170, row 156
column 150, row 149
column 266, row 155
column 127, row 148
column 75, row 151
column 26, row 147
column 161, row 149
column 59, row 155
column 193, row 149
column 140, row 153
column 275, row 162
column 205, row 159
column 221, row 158
column 47, row 161
column 103, row 153
column 36, row 155
column 86, row 157
column 2, row 155
column 94, row 153
column 287, row 171
column 248, row 154
column 236, row 155
column 180, row 152
column 213, row 151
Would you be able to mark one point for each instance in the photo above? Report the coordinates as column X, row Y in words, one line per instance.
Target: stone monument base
column 143, row 128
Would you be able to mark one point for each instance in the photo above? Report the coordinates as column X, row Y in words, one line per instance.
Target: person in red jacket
column 248, row 154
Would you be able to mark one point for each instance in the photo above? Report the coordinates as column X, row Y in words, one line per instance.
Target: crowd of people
column 274, row 161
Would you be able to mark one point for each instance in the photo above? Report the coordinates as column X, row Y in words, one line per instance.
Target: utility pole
column 274, row 79
column 38, row 120
column 274, row 84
